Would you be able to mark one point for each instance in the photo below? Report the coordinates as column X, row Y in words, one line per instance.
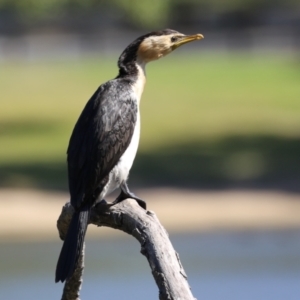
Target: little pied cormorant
column 105, row 139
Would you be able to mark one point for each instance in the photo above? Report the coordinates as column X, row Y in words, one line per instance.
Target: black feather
column 100, row 137
column 72, row 246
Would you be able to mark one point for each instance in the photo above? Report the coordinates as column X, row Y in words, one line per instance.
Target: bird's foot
column 125, row 194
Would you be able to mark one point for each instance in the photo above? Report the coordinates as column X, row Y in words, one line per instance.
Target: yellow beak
column 187, row 39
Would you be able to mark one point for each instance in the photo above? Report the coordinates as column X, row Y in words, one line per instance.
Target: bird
column 105, row 139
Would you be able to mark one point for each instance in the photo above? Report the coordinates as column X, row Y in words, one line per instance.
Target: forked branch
column 129, row 217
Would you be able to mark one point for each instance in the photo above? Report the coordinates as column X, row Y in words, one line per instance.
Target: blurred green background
column 220, row 113
column 220, row 119
column 207, row 120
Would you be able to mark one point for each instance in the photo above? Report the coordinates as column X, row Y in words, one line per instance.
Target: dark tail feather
column 72, row 246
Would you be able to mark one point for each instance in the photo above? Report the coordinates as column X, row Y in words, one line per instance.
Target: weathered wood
column 73, row 285
column 129, row 217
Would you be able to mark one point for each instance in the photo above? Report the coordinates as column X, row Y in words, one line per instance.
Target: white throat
column 138, row 86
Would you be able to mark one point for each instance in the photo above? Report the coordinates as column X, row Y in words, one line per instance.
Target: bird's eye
column 174, row 39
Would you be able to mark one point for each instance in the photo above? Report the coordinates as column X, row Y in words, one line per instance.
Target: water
column 235, row 266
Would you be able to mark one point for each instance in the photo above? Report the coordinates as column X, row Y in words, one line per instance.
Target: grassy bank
column 206, row 119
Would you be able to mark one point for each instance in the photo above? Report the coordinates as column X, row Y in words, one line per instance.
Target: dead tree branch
column 129, row 217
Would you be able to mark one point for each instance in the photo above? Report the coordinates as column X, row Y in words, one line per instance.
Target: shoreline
column 30, row 215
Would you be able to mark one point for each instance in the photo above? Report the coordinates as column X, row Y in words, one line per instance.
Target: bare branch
column 129, row 217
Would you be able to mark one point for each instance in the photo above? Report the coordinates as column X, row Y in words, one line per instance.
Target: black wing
column 100, row 137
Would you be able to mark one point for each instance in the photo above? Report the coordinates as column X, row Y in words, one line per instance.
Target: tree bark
column 129, row 217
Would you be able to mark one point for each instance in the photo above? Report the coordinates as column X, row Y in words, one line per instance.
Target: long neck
column 129, row 61
column 133, row 70
column 128, row 68
column 140, row 80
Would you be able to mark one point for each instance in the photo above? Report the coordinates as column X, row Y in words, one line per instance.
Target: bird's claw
column 126, row 195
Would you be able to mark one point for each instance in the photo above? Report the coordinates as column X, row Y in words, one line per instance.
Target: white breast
column 121, row 171
column 128, row 157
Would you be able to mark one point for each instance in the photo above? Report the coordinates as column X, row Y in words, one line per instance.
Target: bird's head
column 152, row 46
column 160, row 43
